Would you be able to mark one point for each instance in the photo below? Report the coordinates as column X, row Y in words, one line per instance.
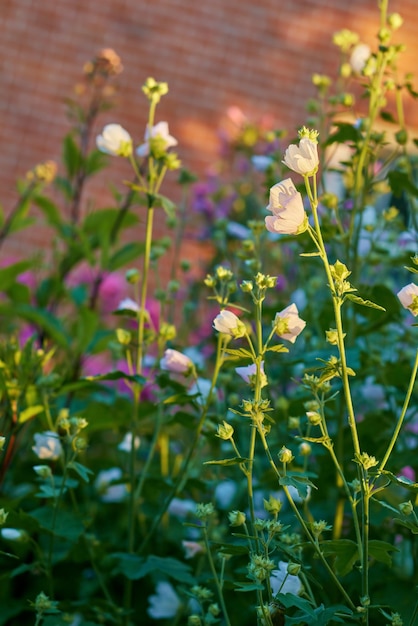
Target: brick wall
column 256, row 54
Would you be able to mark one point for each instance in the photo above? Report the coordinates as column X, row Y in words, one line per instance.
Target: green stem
column 215, row 576
column 401, row 417
column 144, row 285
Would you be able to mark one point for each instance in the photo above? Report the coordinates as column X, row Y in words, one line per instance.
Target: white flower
column 160, row 133
column 408, row 296
column 110, row 492
column 13, row 534
column 127, row 304
column 288, row 325
column 229, row 324
column 181, row 508
column 249, row 374
column 302, row 159
column 126, row 443
column 286, row 204
column 359, row 57
column 47, row 445
column 165, row 603
column 202, row 387
column 176, row 362
column 283, row 582
column 115, row 140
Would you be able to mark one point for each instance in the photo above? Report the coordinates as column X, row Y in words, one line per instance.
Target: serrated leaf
column 402, row 481
column 368, row 303
column 300, row 483
column 380, row 550
column 346, row 554
column 237, row 460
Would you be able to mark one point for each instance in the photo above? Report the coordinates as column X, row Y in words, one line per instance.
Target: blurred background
column 257, row 57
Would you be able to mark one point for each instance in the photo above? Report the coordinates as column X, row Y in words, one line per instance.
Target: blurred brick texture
column 256, row 54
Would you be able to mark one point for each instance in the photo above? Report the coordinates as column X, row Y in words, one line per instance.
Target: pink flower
column 286, row 204
column 408, row 296
column 288, row 325
column 176, row 362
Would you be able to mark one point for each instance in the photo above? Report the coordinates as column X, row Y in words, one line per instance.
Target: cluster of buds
column 339, row 273
column 366, row 460
column 106, row 63
column 223, row 284
column 204, row 511
column 43, row 173
column 260, row 567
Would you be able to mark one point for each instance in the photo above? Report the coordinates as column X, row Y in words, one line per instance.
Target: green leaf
column 168, row 206
column 346, row 554
column 242, row 352
column 278, row 348
column 248, row 586
column 30, row 412
column 136, row 567
column 237, row 460
column 66, row 525
column 125, row 255
column 400, row 183
column 83, row 471
column 95, row 161
column 380, row 550
column 116, row 375
column 71, row 156
column 362, row 302
column 46, row 321
column 300, row 483
column 345, row 132
column 387, row 116
column 9, row 274
column 50, row 210
column 402, row 481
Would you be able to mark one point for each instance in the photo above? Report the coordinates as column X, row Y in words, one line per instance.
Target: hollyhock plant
column 287, row 323
column 176, row 362
column 157, row 140
column 115, row 140
column 303, row 159
column 408, row 297
column 286, row 204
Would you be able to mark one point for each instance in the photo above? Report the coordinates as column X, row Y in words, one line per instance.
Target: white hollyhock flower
column 359, row 57
column 104, row 483
column 302, row 159
column 176, row 362
column 286, row 204
column 159, row 133
column 282, row 582
column 47, row 445
column 249, row 374
column 288, row 324
column 165, row 603
column 229, row 324
column 115, row 140
column 126, row 443
column 13, row 534
column 408, row 297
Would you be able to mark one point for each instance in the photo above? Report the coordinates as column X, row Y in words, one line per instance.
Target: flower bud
column 406, row 508
column 194, row 620
column 2, row 443
column 305, row 448
column 123, row 336
column 395, row 21
column 43, row 471
column 272, row 505
column 225, row 431
column 236, row 518
column 285, row 455
column 314, row 417
column 132, row 276
column 293, row 569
